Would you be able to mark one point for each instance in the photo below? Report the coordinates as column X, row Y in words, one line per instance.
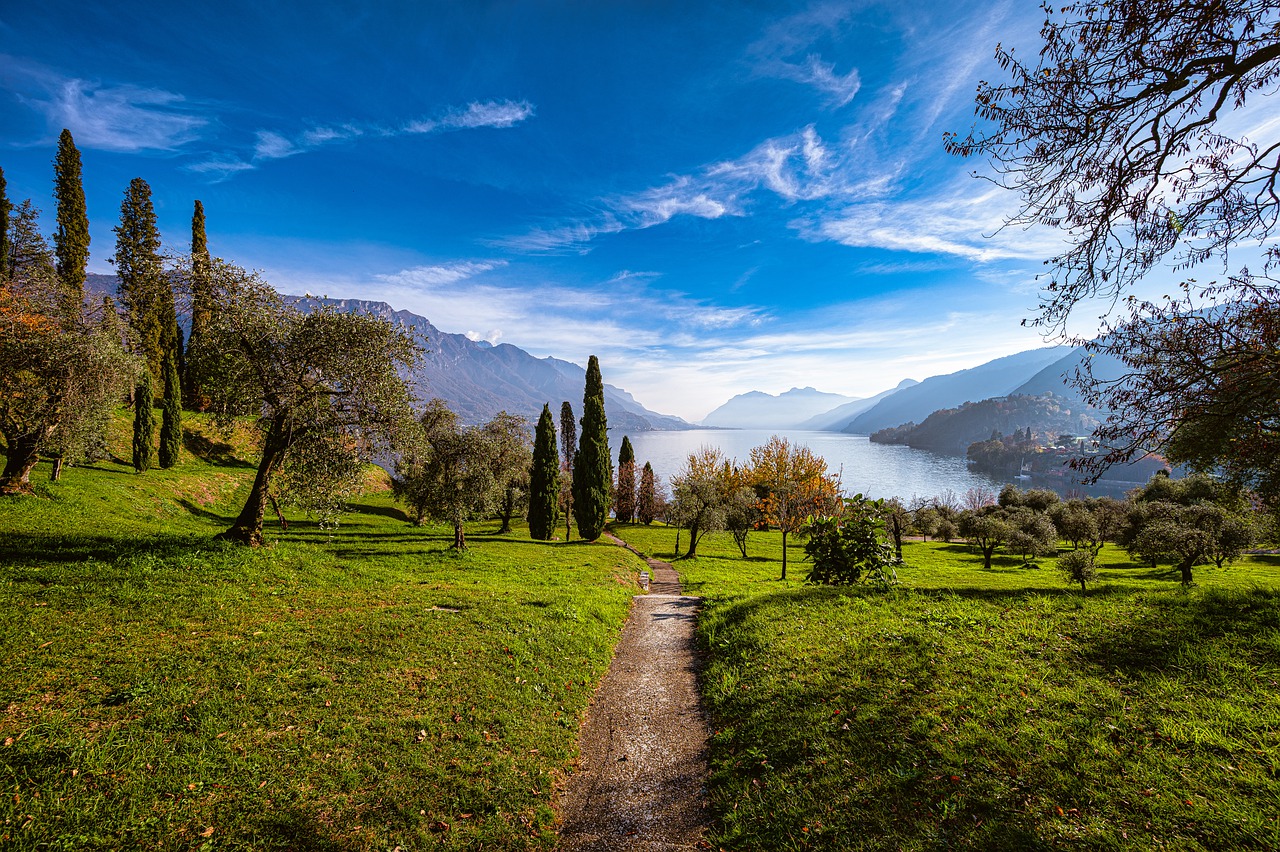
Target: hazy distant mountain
column 478, row 379
column 1053, row 378
column 840, row 415
column 759, row 410
column 994, row 378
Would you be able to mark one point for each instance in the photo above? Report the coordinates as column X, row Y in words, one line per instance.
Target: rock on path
column 641, row 777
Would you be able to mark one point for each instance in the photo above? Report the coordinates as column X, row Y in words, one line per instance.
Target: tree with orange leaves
column 58, row 367
column 793, row 483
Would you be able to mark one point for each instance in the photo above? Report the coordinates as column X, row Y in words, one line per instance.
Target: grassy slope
column 988, row 709
column 359, row 689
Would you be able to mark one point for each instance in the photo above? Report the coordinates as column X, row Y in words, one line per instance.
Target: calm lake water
column 876, row 470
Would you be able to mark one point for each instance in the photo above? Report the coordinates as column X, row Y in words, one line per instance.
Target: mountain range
column 759, row 410
column 477, row 379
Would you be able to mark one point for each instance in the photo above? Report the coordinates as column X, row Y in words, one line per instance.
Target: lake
column 876, row 470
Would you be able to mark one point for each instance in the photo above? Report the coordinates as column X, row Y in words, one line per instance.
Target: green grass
column 362, row 688
column 988, row 709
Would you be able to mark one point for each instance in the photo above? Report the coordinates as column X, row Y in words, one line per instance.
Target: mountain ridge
column 760, row 410
column 478, row 379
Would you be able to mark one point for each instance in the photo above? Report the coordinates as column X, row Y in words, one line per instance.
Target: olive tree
column 61, row 368
column 455, row 473
column 326, row 387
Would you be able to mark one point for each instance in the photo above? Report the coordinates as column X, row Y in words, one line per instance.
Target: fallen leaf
column 208, row 832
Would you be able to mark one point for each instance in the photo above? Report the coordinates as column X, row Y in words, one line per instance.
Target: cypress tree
column 5, row 207
column 647, row 504
column 145, row 291
column 144, row 422
column 171, row 414
column 624, row 495
column 544, row 479
column 592, row 477
column 71, row 240
column 568, row 446
column 201, row 305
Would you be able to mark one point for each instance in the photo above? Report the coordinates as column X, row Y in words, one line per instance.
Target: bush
column 845, row 549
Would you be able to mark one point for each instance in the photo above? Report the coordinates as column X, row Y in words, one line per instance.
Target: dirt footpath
column 641, row 778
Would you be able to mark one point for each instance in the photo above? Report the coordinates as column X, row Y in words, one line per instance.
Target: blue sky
column 712, row 197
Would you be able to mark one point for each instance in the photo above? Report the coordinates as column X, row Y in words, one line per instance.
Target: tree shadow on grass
column 201, row 512
column 394, row 512
column 902, row 772
column 211, row 451
column 32, row 549
column 294, row 828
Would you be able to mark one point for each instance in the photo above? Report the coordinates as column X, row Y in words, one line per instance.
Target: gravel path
column 641, row 777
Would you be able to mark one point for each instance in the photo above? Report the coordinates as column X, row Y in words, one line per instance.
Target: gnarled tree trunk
column 247, row 528
column 23, row 453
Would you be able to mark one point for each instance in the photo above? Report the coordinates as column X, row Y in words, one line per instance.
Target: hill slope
column 994, row 378
column 840, row 415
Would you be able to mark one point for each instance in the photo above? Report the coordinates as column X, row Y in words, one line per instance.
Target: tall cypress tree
column 5, row 207
column 201, row 305
column 544, row 479
column 624, row 494
column 144, row 289
column 568, row 446
column 647, row 502
column 592, row 477
column 144, row 422
column 71, row 239
column 171, row 414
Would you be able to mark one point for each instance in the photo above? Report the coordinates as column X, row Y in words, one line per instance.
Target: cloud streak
column 275, row 145
column 108, row 117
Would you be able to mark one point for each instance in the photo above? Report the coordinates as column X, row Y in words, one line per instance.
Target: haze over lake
column 876, row 470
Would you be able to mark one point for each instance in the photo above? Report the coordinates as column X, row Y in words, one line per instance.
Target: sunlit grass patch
column 988, row 709
column 356, row 688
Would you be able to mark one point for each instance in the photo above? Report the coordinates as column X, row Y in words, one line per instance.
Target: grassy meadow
column 358, row 688
column 365, row 688
column 984, row 709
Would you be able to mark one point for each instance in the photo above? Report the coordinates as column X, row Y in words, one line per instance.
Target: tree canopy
column 60, row 368
column 325, row 386
column 1143, row 131
column 793, row 483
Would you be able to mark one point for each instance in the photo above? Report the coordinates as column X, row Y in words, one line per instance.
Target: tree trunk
column 275, row 507
column 693, row 542
column 459, row 538
column 1082, row 590
column 22, row 457
column 1185, row 567
column 784, row 553
column 508, row 509
column 987, row 553
column 56, row 473
column 247, row 528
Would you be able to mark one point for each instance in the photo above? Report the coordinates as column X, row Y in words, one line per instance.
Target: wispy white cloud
column 488, row 114
column 109, row 117
column 960, row 222
column 839, row 88
column 275, row 145
column 441, row 274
